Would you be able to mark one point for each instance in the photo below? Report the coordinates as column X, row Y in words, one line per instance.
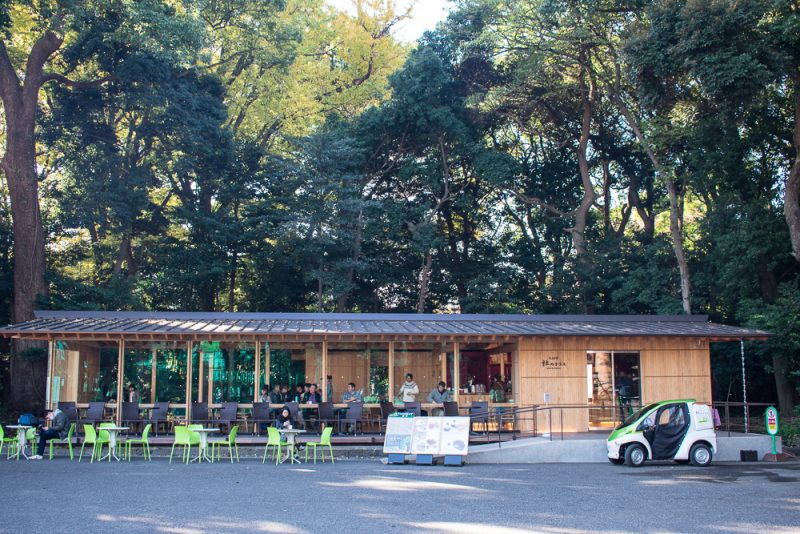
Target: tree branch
column 77, row 84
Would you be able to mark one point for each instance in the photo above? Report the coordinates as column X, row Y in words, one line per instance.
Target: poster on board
column 399, row 429
column 454, row 436
column 427, row 435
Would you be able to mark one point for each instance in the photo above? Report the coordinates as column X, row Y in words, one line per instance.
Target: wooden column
column 257, row 378
column 443, row 358
column 324, row 384
column 267, row 363
column 456, row 369
column 188, row 396
column 49, row 405
column 120, row 378
column 200, row 364
column 153, row 374
column 390, row 395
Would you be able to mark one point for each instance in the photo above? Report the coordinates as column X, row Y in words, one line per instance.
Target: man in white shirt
column 409, row 390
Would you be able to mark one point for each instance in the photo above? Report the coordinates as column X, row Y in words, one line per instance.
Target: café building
column 591, row 361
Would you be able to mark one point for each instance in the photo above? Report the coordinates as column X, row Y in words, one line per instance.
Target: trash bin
column 748, row 456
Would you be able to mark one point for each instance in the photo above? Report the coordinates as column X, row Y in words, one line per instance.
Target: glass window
column 364, row 364
column 293, row 364
column 427, row 362
column 225, row 371
column 138, row 372
column 671, row 416
column 485, row 371
column 85, row 371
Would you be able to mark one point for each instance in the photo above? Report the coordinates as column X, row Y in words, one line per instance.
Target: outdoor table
column 203, row 433
column 112, row 440
column 290, row 434
column 22, row 439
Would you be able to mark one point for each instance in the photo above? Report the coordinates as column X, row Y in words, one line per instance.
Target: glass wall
column 429, row 363
column 613, row 386
column 293, row 363
column 138, row 372
column 84, row 371
column 226, row 371
column 486, row 370
column 170, row 371
column 364, row 364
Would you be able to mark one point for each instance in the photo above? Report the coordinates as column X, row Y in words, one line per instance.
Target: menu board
column 427, row 435
column 399, row 427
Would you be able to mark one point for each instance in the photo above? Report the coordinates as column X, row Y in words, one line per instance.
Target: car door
column 671, row 426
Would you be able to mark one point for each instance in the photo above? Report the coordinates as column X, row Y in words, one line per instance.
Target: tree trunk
column 424, row 280
column 791, row 201
column 783, row 385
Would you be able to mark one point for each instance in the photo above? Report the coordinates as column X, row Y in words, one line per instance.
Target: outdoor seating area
column 214, row 432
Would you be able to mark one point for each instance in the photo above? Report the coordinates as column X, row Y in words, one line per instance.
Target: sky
column 425, row 15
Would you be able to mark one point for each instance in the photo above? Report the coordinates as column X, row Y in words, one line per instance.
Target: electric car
column 679, row 430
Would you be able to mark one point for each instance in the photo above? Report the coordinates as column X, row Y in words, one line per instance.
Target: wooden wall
column 670, row 368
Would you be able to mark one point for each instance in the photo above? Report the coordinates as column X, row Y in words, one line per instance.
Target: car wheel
column 617, row 461
column 635, row 455
column 700, row 455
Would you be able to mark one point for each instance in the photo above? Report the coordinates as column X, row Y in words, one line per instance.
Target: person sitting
column 299, row 392
column 409, row 390
column 56, row 428
column 264, row 394
column 133, row 395
column 440, row 394
column 312, row 397
column 351, row 395
column 284, row 394
column 275, row 395
column 284, row 419
column 330, row 388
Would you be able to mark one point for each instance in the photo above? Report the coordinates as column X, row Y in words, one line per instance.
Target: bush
column 790, row 429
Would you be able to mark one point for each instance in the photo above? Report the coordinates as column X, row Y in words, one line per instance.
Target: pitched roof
column 210, row 324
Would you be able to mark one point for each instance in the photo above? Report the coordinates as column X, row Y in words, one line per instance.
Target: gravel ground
column 356, row 496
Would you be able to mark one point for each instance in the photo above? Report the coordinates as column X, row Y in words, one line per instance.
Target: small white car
column 679, row 430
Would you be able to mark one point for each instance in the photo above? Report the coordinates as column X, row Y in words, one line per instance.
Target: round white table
column 22, row 439
column 290, row 434
column 203, row 433
column 112, row 440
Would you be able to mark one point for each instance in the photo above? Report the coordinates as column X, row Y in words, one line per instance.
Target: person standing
column 133, row 395
column 409, row 390
column 56, row 428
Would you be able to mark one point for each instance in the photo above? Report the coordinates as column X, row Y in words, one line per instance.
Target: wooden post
column 456, row 369
column 200, row 364
column 324, row 384
column 390, row 395
column 257, row 378
column 267, row 363
column 153, row 374
column 120, row 378
column 443, row 358
column 188, row 392
column 49, row 386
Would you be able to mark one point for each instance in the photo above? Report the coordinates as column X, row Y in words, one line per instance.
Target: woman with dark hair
column 284, row 419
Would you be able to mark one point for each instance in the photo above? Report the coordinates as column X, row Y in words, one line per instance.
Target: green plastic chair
column 4, row 440
column 90, row 437
column 274, row 441
column 143, row 441
column 230, row 442
column 324, row 441
column 66, row 441
column 183, row 436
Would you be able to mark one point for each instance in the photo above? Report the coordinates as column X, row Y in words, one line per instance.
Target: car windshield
column 636, row 415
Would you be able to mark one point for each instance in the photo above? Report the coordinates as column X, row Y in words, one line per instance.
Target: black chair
column 355, row 411
column 450, row 409
column 159, row 415
column 479, row 413
column 95, row 413
column 413, row 407
column 228, row 415
column 130, row 415
column 200, row 413
column 387, row 409
column 325, row 415
column 261, row 416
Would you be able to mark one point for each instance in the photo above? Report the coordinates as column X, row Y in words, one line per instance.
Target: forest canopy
column 529, row 156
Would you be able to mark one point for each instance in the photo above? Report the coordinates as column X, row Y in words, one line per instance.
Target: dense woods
column 536, row 156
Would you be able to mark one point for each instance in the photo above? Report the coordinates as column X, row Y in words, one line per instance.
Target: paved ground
column 355, row 496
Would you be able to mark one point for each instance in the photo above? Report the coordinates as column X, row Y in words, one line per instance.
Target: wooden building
column 597, row 365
